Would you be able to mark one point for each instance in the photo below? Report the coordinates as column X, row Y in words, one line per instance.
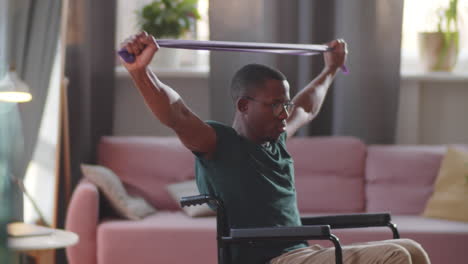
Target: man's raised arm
column 308, row 101
column 165, row 103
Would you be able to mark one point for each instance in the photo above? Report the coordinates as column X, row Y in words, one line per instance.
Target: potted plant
column 439, row 50
column 168, row 19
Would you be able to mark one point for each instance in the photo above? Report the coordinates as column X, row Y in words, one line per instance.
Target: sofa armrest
column 83, row 218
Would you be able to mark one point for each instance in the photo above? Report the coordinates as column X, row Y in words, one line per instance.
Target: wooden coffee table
column 38, row 242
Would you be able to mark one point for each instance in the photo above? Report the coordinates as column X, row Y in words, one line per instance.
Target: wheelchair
column 313, row 228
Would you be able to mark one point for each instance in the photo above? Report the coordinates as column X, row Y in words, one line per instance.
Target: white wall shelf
column 435, row 76
column 433, row 107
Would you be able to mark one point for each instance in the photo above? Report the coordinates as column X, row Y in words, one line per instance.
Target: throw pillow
column 130, row 207
column 450, row 197
column 189, row 188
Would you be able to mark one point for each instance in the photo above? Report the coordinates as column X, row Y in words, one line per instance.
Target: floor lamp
column 13, row 89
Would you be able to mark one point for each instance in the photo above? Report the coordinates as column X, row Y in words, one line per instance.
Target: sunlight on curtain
column 5, row 141
column 10, row 149
column 40, row 179
column 5, row 197
column 4, row 210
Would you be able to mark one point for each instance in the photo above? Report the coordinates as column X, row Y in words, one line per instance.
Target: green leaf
column 168, row 17
column 448, row 17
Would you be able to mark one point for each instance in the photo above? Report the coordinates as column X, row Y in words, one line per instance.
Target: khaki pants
column 381, row 252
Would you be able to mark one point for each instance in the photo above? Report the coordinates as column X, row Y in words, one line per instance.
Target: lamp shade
column 13, row 89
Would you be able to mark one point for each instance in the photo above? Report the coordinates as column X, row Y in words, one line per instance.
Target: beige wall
column 433, row 109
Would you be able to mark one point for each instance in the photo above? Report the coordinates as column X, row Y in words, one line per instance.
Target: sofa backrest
column 146, row 165
column 329, row 173
column 400, row 178
column 329, row 170
column 333, row 174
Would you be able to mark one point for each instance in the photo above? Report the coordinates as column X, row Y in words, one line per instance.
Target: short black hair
column 252, row 76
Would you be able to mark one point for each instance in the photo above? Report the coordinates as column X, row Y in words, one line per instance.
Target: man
column 247, row 165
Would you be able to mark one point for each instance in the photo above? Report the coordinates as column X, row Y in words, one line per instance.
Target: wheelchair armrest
column 195, row 200
column 350, row 220
column 281, row 233
column 289, row 233
column 354, row 221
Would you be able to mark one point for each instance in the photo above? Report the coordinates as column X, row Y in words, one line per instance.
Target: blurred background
column 63, row 52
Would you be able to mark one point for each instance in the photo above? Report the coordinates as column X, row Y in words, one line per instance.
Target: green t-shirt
column 256, row 184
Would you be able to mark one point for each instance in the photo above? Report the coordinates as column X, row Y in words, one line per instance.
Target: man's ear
column 242, row 105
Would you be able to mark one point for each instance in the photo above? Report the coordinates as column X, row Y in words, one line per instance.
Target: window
column 421, row 15
column 127, row 25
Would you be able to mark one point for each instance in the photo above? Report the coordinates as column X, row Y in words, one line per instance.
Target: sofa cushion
column 329, row 173
column 128, row 206
column 158, row 237
column 450, row 197
column 400, row 178
column 445, row 241
column 147, row 164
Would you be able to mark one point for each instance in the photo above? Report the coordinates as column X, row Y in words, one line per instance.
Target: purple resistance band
column 277, row 48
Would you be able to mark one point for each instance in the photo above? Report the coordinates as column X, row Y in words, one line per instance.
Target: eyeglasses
column 276, row 107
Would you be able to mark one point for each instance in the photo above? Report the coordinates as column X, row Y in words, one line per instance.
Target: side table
column 38, row 242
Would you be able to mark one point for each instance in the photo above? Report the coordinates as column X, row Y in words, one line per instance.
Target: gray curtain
column 32, row 43
column 240, row 20
column 90, row 61
column 363, row 103
column 307, row 22
column 366, row 101
column 89, row 66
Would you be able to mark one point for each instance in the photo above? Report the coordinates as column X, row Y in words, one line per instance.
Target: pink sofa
column 333, row 175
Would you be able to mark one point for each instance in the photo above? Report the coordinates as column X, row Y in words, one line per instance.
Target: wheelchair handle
column 194, row 200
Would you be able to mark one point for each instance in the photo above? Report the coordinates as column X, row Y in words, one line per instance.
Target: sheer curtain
column 5, row 140
column 32, row 45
